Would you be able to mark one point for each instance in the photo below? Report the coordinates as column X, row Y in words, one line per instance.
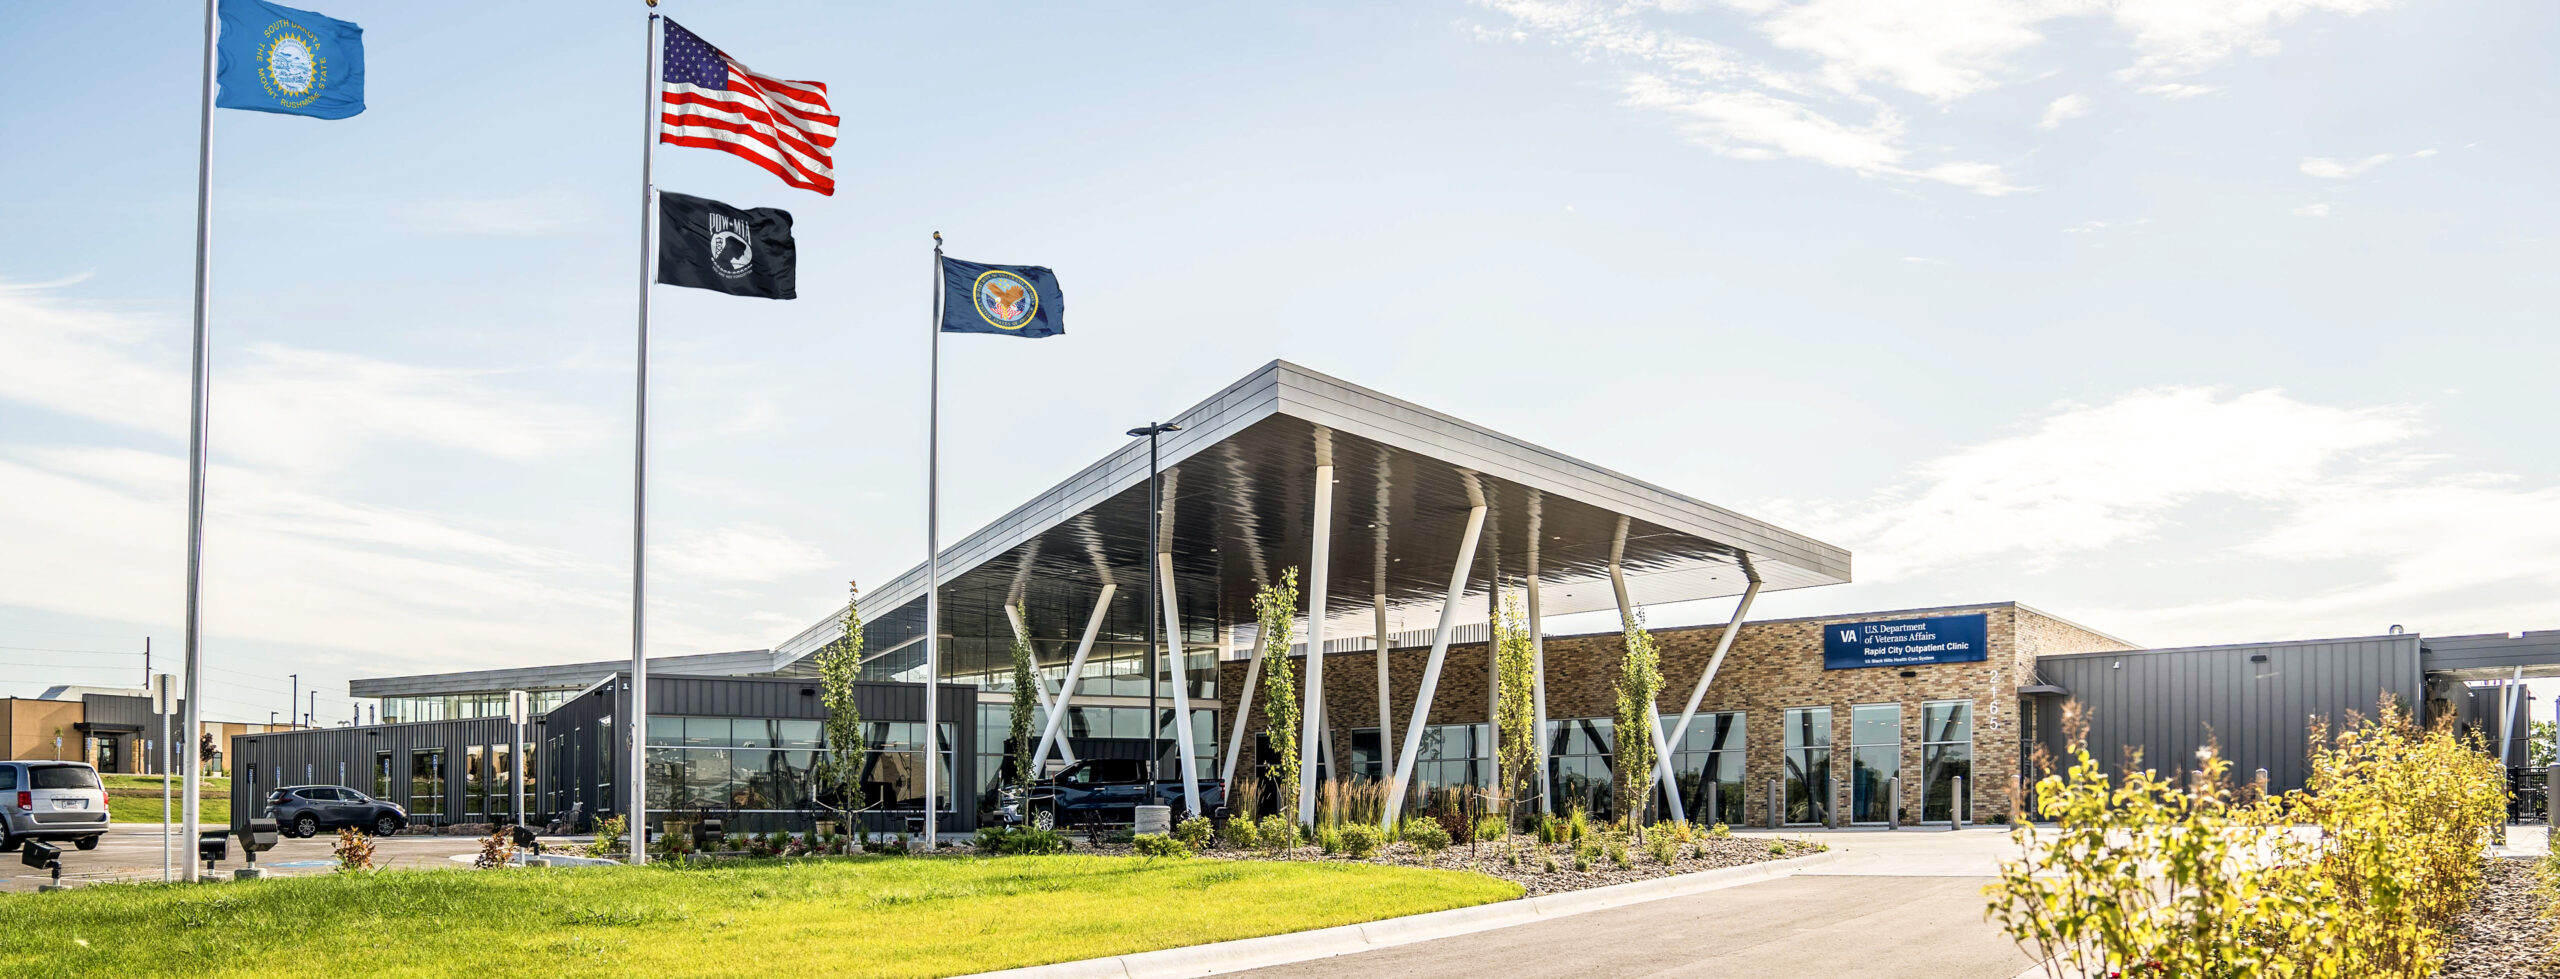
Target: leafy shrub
column 675, row 844
column 495, row 851
column 1546, row 862
column 2179, row 877
column 777, row 843
column 1491, row 827
column 1662, row 846
column 1585, row 851
column 1455, row 825
column 1328, row 840
column 1550, row 829
column 1237, row 833
column 1720, row 831
column 1019, row 841
column 1360, row 841
column 1616, row 848
column 1577, row 825
column 1777, row 848
column 1195, row 832
column 1153, row 845
column 1426, row 835
column 609, row 833
column 354, row 850
column 1276, row 833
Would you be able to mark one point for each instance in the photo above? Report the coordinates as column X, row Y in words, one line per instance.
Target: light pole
column 1155, row 530
column 295, row 700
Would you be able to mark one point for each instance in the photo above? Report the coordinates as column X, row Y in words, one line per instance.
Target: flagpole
column 933, row 564
column 636, row 769
column 196, row 449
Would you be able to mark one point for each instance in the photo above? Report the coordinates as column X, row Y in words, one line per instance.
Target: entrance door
column 107, row 752
column 1875, row 757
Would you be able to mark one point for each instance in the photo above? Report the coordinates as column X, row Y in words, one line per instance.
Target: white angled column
column 1431, row 669
column 1698, row 694
column 1049, row 734
column 1653, row 712
column 1039, row 677
column 1538, row 690
column 1181, row 688
column 1386, row 714
column 1244, row 707
column 1319, row 565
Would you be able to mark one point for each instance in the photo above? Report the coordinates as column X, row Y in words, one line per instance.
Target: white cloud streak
column 2064, row 109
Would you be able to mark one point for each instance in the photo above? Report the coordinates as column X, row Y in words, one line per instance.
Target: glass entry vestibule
column 1875, row 758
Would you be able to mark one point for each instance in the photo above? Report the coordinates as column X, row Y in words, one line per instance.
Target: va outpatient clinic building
column 1398, row 519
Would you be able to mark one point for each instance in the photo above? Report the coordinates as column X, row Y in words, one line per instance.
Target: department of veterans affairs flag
column 1012, row 300
column 711, row 101
column 705, row 244
column 279, row 59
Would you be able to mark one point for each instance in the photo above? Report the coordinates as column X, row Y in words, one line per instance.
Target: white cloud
column 2334, row 169
column 2312, row 211
column 293, row 556
column 1743, row 108
column 2178, row 90
column 2066, row 108
column 2178, row 37
column 2338, row 496
column 1836, row 112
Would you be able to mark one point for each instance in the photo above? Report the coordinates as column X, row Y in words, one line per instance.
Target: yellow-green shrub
column 2148, row 877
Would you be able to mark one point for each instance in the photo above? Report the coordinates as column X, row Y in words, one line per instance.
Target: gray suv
column 51, row 800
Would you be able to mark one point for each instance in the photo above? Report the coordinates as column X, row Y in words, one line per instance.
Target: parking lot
column 131, row 851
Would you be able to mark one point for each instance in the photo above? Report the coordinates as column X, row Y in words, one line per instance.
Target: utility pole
column 311, row 714
column 296, row 699
column 1155, row 670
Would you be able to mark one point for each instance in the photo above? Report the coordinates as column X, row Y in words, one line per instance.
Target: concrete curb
column 1254, row 953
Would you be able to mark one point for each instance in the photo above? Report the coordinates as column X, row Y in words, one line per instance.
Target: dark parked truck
column 1109, row 790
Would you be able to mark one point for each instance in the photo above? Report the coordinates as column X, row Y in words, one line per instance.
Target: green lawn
column 859, row 916
column 136, row 799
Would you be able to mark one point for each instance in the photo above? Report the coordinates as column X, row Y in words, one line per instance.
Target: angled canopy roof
column 1240, row 488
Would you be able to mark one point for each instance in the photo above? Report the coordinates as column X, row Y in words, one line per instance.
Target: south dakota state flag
column 1011, row 300
column 278, row 59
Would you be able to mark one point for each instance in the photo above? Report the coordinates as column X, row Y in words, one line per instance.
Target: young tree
column 839, row 767
column 1025, row 702
column 1639, row 685
column 1515, row 663
column 1276, row 607
column 205, row 750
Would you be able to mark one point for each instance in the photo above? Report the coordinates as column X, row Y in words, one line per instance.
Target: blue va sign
column 1906, row 642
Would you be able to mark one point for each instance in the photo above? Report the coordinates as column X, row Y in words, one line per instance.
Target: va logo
column 1848, row 635
column 1007, row 301
column 731, row 254
column 290, row 65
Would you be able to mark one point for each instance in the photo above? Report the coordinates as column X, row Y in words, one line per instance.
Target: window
column 1711, row 754
column 1875, row 755
column 1808, row 760
column 767, row 764
column 1579, row 766
column 1946, row 754
column 475, row 780
column 383, row 775
column 8, row 778
column 426, row 783
column 502, row 786
column 61, row 777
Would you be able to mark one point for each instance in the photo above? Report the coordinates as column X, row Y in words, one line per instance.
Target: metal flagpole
column 168, row 840
column 196, row 444
column 636, row 769
column 933, row 562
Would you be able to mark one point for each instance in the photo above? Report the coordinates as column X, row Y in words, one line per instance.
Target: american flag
column 711, row 101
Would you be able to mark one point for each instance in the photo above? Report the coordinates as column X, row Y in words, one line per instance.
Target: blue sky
column 2194, row 320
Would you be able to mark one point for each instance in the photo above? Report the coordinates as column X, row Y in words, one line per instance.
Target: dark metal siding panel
column 2169, row 703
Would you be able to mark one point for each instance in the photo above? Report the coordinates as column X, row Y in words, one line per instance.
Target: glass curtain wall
column 1711, row 754
column 747, row 764
column 1946, row 754
column 475, row 781
column 1875, row 755
column 1580, row 766
column 1808, row 761
column 426, row 786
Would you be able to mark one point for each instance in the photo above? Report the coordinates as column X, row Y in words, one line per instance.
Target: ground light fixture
column 1155, row 670
column 43, row 856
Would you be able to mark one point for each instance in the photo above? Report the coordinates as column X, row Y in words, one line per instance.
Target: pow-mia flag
column 705, row 244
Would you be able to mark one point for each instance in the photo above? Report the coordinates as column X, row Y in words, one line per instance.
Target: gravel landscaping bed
column 1492, row 859
column 2502, row 934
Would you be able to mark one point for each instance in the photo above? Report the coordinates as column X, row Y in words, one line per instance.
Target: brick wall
column 1773, row 666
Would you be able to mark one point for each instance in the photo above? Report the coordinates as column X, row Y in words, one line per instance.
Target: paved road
column 131, row 851
column 1903, row 904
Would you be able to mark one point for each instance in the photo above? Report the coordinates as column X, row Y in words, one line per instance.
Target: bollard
column 1830, row 802
column 1893, row 803
column 1777, row 803
column 1715, row 812
column 1955, row 804
column 2550, row 782
column 2017, row 800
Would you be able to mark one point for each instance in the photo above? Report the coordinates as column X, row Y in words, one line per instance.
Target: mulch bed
column 1493, row 859
column 2503, row 933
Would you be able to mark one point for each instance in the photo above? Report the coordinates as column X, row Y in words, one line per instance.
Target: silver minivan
column 51, row 800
